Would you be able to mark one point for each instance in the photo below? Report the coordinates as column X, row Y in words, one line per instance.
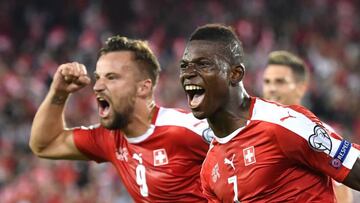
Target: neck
column 234, row 116
column 141, row 119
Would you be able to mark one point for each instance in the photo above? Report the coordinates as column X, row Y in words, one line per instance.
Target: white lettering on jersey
column 141, row 176
column 215, row 173
column 230, row 162
column 249, row 155
column 122, row 154
column 160, row 157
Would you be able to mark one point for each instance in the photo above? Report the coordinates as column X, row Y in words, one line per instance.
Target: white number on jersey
column 141, row 176
column 233, row 180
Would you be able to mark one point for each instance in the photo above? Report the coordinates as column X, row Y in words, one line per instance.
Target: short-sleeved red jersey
column 283, row 154
column 163, row 165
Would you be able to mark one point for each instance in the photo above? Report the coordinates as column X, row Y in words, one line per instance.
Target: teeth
column 193, row 87
column 100, row 99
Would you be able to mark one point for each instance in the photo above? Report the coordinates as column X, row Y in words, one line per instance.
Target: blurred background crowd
column 38, row 35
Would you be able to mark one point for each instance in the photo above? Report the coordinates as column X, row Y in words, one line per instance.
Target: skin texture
column 108, row 80
column 280, row 85
column 130, row 107
column 226, row 103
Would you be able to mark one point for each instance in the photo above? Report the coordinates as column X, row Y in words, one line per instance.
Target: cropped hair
column 222, row 34
column 141, row 50
column 296, row 64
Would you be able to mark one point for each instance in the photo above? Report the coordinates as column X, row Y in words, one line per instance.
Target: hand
column 70, row 77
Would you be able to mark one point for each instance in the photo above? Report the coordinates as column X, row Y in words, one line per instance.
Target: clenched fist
column 70, row 77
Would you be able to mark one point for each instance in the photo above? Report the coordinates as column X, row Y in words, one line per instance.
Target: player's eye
column 183, row 65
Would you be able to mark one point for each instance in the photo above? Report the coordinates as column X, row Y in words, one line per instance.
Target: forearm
column 353, row 178
column 48, row 123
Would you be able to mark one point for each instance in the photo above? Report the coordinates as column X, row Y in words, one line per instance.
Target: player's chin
column 199, row 113
column 106, row 123
column 109, row 123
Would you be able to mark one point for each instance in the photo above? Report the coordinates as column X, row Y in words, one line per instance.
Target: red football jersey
column 163, row 165
column 283, row 154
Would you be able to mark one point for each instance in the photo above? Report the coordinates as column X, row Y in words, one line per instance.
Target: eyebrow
column 194, row 60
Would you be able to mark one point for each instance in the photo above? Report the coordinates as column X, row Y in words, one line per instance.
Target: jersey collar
column 142, row 137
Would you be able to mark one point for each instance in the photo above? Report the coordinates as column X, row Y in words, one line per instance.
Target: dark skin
column 353, row 179
column 202, row 65
column 226, row 103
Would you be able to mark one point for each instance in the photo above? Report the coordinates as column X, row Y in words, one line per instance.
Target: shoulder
column 183, row 120
column 180, row 118
column 294, row 118
column 173, row 116
column 278, row 113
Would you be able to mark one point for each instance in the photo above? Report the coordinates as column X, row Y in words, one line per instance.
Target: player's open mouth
column 195, row 95
column 104, row 107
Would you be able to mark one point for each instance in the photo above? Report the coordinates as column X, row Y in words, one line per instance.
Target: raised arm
column 49, row 136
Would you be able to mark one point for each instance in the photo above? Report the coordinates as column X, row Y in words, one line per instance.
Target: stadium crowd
column 36, row 36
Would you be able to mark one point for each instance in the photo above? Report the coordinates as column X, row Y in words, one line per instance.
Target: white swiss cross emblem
column 160, row 157
column 249, row 155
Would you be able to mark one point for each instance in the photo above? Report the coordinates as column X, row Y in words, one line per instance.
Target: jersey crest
column 215, row 175
column 122, row 154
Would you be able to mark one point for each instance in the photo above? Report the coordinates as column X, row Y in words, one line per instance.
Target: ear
column 144, row 88
column 237, row 74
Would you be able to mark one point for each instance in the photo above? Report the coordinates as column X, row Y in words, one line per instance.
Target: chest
column 244, row 167
column 158, row 164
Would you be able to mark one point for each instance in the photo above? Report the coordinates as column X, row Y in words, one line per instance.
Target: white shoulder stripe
column 351, row 158
column 302, row 126
column 172, row 117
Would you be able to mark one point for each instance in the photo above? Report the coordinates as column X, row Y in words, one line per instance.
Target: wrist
column 58, row 98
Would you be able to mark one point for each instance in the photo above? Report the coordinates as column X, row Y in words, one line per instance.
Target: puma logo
column 286, row 117
column 198, row 123
column 230, row 162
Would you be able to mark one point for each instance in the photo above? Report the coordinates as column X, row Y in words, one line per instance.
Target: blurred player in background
column 156, row 151
column 285, row 80
column 262, row 151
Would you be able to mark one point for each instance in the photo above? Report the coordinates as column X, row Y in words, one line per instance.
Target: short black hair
column 223, row 34
column 141, row 50
column 295, row 63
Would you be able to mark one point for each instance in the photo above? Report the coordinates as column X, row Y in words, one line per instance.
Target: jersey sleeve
column 92, row 142
column 306, row 140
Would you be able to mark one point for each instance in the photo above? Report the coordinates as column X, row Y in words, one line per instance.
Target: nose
column 272, row 87
column 99, row 85
column 188, row 72
column 269, row 88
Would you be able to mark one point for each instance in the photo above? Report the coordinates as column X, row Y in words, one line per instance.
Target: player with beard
column 262, row 151
column 156, row 151
column 285, row 80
